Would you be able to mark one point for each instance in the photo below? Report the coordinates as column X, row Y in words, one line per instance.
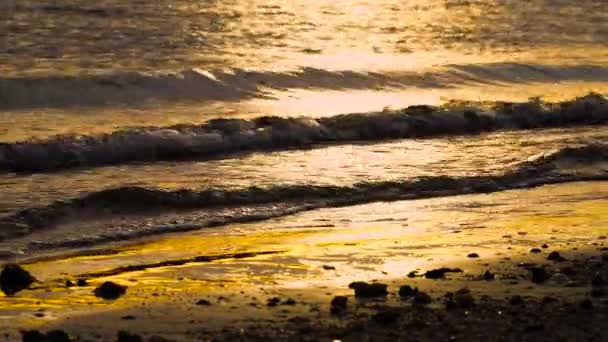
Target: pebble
column 535, row 250
column 407, row 291
column 539, row 275
column 473, row 255
column 13, row 279
column 110, row 290
column 338, row 305
column 440, row 272
column 422, row 298
column 555, row 256
column 366, row 290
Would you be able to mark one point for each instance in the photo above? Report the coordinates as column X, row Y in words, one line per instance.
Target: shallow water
column 81, row 70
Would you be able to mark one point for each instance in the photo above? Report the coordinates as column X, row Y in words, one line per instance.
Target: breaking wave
column 545, row 169
column 135, row 88
column 223, row 136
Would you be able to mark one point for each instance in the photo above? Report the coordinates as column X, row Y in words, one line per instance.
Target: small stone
column 203, row 302
column 535, row 250
column 57, row 336
column 489, row 276
column 539, row 275
column 555, row 256
column 128, row 318
column 338, row 305
column 328, row 267
column 422, row 298
column 407, row 291
column 544, row 246
column 473, row 255
column 598, row 281
column 463, row 299
column 560, row 279
column 289, row 301
column 273, row 301
column 586, row 304
column 598, row 292
column 110, row 290
column 33, row 336
column 365, row 290
column 516, row 300
column 440, row 272
column 14, row 279
column 386, row 317
column 69, row 283
column 124, row 336
column 412, row 274
column 82, row 282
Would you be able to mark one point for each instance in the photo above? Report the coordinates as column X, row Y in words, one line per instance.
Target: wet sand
column 222, row 284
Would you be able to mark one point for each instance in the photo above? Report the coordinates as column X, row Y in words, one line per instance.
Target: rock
column 412, row 274
column 386, row 317
column 488, row 276
column 560, row 279
column 516, row 300
column 69, row 283
column 555, row 256
column 110, row 290
column 328, row 267
column 128, row 318
column 203, row 302
column 586, row 304
column 463, row 299
column 14, row 279
column 338, row 305
column 440, row 272
column 539, row 275
column 535, row 250
column 124, row 336
column 51, row 336
column 289, row 301
column 273, row 301
column 32, row 336
column 82, row 282
column 156, row 338
column 473, row 255
column 544, row 246
column 407, row 291
column 598, row 281
column 365, row 290
column 422, row 298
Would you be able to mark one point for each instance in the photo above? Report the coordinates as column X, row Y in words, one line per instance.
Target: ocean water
column 120, row 119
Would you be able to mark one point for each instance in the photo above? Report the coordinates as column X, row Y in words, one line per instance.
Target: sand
column 275, row 280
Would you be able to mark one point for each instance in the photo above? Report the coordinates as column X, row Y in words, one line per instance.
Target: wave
column 545, row 169
column 223, row 136
column 135, row 88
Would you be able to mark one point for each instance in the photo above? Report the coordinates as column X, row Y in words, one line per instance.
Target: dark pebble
column 82, row 282
column 14, row 279
column 555, row 256
column 366, row 290
column 57, row 336
column 110, row 290
column 422, row 298
column 598, row 281
column 463, row 299
column 289, row 301
column 124, row 336
column 407, row 291
column 544, row 246
column 440, row 272
column 338, row 305
column 273, row 301
column 69, row 283
column 489, row 276
column 535, row 250
column 386, row 317
column 539, row 275
column 516, row 300
column 128, row 318
column 328, row 267
column 473, row 255
column 203, row 302
column 586, row 304
column 598, row 292
column 412, row 274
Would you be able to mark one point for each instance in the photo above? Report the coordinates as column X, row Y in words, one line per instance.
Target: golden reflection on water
column 374, row 241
